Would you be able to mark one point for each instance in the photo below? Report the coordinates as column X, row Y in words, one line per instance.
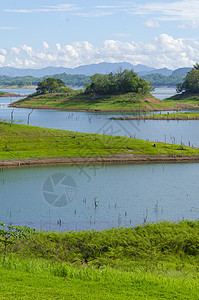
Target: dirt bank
column 117, row 159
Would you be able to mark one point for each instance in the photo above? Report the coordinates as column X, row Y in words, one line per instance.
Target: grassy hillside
column 184, row 98
column 154, row 261
column 124, row 102
column 81, row 101
column 23, row 141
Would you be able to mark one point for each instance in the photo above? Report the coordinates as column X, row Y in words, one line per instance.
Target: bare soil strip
column 118, row 159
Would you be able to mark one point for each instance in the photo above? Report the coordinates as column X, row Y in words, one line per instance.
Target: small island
column 168, row 116
column 6, row 94
column 121, row 91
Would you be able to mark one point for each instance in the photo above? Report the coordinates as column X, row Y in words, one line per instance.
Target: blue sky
column 40, row 33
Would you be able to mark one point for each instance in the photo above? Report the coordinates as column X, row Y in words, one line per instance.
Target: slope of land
column 79, row 101
column 5, row 94
column 28, row 145
column 167, row 116
column 184, row 98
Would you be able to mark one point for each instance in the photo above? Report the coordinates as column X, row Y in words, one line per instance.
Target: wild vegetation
column 190, row 84
column 159, row 80
column 51, row 85
column 162, row 116
column 70, row 80
column 121, row 82
column 153, row 261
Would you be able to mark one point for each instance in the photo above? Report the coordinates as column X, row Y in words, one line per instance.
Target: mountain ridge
column 91, row 69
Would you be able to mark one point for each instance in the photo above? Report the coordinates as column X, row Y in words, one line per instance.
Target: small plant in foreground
column 9, row 234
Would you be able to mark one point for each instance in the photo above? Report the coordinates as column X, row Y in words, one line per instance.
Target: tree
column 49, row 85
column 123, row 81
column 9, row 235
column 190, row 83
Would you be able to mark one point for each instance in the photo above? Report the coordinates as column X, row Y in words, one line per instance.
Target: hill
column 91, row 69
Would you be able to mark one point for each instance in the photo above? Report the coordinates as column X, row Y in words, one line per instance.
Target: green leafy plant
column 9, row 235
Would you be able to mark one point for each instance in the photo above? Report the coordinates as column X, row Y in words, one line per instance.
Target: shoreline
column 11, row 95
column 158, row 118
column 114, row 160
column 169, row 108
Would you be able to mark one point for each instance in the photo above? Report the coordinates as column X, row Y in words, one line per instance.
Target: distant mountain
column 181, row 71
column 14, row 72
column 103, row 68
column 163, row 71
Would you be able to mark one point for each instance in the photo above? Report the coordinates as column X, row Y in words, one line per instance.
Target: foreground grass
column 154, row 261
column 37, row 280
column 23, row 142
column 81, row 101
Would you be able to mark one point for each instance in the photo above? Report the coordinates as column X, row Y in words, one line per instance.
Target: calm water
column 162, row 93
column 179, row 132
column 67, row 198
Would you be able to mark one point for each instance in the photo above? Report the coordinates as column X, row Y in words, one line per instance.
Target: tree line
column 70, row 80
column 161, row 80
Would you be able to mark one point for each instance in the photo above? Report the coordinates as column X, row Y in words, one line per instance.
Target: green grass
column 184, row 98
column 154, row 261
column 167, row 116
column 36, row 280
column 79, row 100
column 23, row 141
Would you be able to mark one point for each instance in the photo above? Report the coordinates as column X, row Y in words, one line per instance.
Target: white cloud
column 3, row 51
column 152, row 24
column 45, row 46
column 94, row 14
column 14, row 51
column 56, row 8
column 28, row 50
column 162, row 51
column 2, row 59
column 58, row 47
column 185, row 10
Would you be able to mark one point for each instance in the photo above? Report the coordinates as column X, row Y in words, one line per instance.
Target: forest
column 79, row 80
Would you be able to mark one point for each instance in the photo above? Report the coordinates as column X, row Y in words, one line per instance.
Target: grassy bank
column 81, row 101
column 167, row 116
column 183, row 99
column 5, row 94
column 23, row 142
column 154, row 261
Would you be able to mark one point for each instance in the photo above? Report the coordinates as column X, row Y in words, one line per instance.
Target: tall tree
column 190, row 83
column 49, row 85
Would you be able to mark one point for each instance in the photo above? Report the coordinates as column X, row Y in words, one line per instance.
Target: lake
column 79, row 198
column 99, row 197
column 179, row 132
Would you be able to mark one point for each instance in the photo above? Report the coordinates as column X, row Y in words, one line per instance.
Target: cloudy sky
column 40, row 33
